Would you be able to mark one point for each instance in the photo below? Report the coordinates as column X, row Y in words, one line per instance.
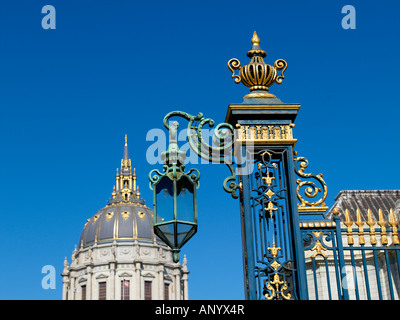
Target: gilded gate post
column 273, row 254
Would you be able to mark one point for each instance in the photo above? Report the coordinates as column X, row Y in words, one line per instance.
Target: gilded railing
column 357, row 258
column 375, row 229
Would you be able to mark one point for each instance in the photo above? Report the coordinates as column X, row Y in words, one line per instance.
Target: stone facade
column 134, row 263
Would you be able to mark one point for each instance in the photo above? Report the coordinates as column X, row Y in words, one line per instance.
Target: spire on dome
column 125, row 189
column 125, row 161
column 126, row 153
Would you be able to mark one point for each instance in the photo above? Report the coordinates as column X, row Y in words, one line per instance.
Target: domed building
column 119, row 256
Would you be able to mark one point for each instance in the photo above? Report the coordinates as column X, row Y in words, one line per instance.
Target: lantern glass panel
column 182, row 233
column 165, row 200
column 185, row 200
column 168, row 233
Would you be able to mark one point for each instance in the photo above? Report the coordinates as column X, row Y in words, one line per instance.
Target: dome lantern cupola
column 125, row 189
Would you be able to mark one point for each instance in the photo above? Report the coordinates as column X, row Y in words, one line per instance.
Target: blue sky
column 68, row 96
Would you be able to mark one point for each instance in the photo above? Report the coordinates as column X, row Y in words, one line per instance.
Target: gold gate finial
column 257, row 75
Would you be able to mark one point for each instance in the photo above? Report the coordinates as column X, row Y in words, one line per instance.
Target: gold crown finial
column 126, row 139
column 255, row 40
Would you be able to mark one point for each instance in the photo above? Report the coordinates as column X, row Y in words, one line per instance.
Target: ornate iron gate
column 341, row 259
column 271, row 210
column 290, row 249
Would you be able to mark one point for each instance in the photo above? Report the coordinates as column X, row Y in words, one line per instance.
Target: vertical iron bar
column 353, row 265
column 366, row 275
column 378, row 278
column 175, row 202
column 259, row 281
column 315, row 279
column 294, row 225
column 389, row 274
column 342, row 266
column 248, row 240
column 398, row 269
column 327, row 278
column 336, row 264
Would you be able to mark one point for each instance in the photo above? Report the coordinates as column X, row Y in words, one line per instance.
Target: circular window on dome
column 141, row 214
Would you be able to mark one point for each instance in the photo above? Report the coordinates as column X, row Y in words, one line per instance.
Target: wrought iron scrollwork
column 155, row 175
column 317, row 241
column 218, row 152
column 276, row 286
column 234, row 64
column 308, row 189
column 274, row 258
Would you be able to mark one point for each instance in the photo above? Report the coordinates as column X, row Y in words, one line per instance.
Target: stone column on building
column 137, row 282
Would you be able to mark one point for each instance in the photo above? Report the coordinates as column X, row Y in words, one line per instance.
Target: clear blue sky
column 68, row 96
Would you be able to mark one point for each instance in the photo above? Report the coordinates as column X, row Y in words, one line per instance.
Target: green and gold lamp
column 174, row 197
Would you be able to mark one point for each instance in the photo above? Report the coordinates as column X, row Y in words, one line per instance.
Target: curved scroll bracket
column 220, row 151
column 280, row 64
column 234, row 64
column 311, row 188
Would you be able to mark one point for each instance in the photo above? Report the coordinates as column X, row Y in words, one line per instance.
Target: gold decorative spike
column 393, row 223
column 348, row 223
column 274, row 250
column 371, row 224
column 255, row 40
column 271, row 209
column 360, row 224
column 382, row 223
column 268, row 179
